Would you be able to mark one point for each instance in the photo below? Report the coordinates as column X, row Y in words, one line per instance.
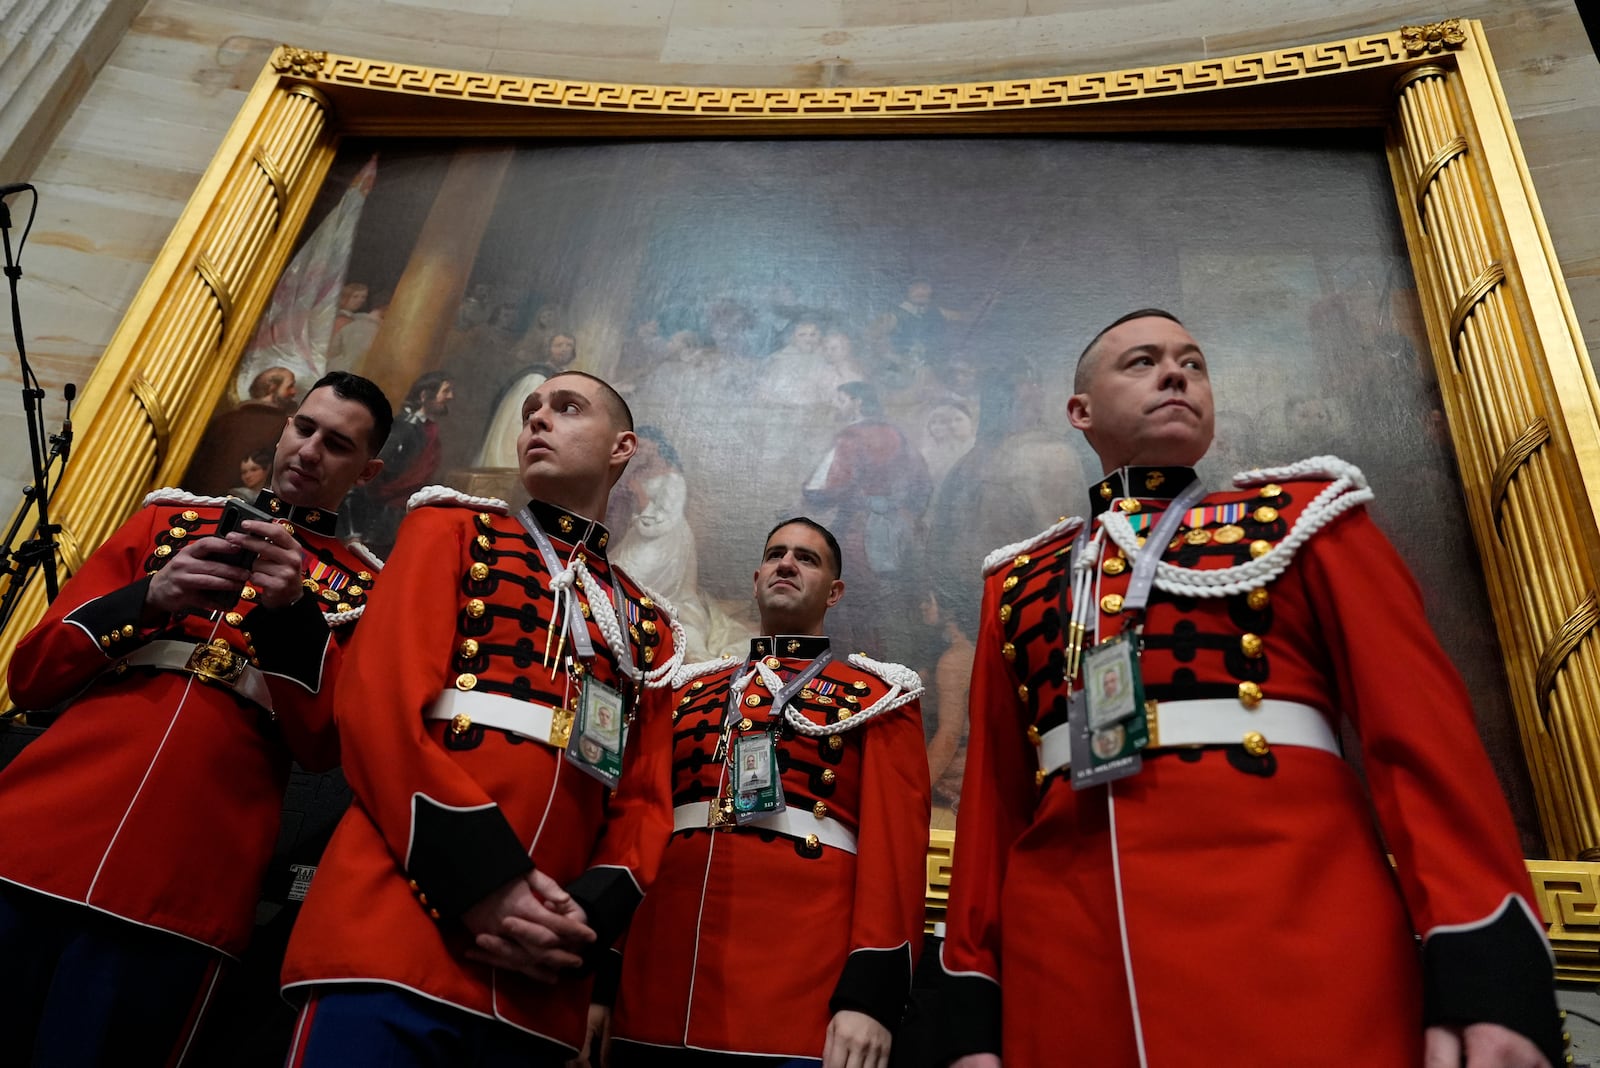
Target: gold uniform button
column 746, row 723
column 1039, row 777
column 1105, row 491
column 1116, row 565
column 1271, row 489
column 820, row 809
column 1021, row 561
column 860, row 687
column 824, row 699
column 1265, row 514
column 313, row 517
column 828, row 775
column 422, row 899
column 1010, row 583
column 1005, row 613
column 479, row 571
column 753, row 700
column 344, row 606
column 565, row 523
column 483, row 541
column 808, row 693
column 476, row 608
column 1022, row 692
column 190, row 516
column 127, row 630
column 1249, row 694
column 466, row 680
column 1258, row 598
column 845, row 713
column 1128, row 505
column 414, row 886
column 331, row 596
column 645, row 602
column 1033, row 734
column 469, row 648
column 310, row 584
column 1153, row 480
column 248, row 593
column 485, row 519
column 603, row 539
column 178, row 532
column 234, row 619
column 286, row 526
column 1197, row 536
column 353, row 590
column 851, row 699
column 1227, row 535
column 163, row 551
column 460, row 723
column 648, row 627
column 1256, row 745
column 1259, row 548
column 1111, row 603
column 1250, row 645
column 772, row 662
column 699, row 684
column 813, row 842
column 105, row 641
column 1008, row 651
column 583, row 609
column 364, row 576
column 835, row 742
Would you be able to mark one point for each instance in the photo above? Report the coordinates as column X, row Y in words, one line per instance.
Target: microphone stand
column 39, row 551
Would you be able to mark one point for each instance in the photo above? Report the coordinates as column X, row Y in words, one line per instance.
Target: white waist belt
column 1215, row 721
column 216, row 662
column 789, row 822
column 466, row 709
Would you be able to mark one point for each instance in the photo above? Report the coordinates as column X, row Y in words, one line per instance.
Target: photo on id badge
column 602, row 722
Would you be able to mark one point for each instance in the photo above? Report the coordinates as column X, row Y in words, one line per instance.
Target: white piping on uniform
column 1122, row 927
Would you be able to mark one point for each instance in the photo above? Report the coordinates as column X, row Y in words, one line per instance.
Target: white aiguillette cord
column 1139, row 583
column 567, row 600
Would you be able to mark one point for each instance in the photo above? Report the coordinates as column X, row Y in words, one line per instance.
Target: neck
column 587, row 501
column 770, row 625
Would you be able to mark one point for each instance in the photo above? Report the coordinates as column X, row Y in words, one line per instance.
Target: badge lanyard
column 779, row 699
column 575, row 625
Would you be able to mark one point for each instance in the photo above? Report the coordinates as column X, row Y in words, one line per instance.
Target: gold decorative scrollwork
column 1449, row 151
column 298, row 62
column 1573, row 631
column 1493, row 275
column 219, row 289
column 71, row 551
column 273, row 173
column 1511, row 461
column 1434, row 37
column 156, row 412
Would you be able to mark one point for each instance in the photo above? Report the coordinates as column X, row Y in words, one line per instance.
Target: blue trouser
column 386, row 1027
column 82, row 988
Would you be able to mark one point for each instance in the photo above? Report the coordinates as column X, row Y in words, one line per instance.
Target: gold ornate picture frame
column 1518, row 389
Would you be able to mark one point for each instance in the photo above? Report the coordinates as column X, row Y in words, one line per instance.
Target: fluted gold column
column 1535, row 532
column 146, row 405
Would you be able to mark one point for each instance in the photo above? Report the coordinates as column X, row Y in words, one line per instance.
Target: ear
column 835, row 591
column 1078, row 412
column 623, row 448
column 369, row 471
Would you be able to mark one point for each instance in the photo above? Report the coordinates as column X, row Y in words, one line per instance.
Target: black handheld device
column 235, row 512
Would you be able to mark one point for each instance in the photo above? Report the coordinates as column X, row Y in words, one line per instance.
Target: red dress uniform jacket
column 155, row 796
column 447, row 811
column 751, row 939
column 1234, row 901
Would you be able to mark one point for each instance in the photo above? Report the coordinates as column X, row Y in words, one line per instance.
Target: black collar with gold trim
column 570, row 527
column 1149, row 483
column 790, row 646
column 317, row 520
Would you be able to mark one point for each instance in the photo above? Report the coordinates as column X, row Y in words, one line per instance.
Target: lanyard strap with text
column 781, row 698
column 1144, row 568
column 576, row 627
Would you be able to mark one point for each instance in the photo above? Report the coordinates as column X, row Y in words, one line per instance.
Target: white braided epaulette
column 339, row 619
column 369, row 557
column 1347, row 488
column 1007, row 553
column 436, row 495
column 662, row 675
column 905, row 686
column 174, row 495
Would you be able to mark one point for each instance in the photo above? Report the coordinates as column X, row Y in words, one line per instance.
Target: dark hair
column 365, row 392
column 619, row 406
column 867, row 394
column 663, row 446
column 268, row 382
column 262, row 457
column 424, row 387
column 1079, row 379
column 827, row 536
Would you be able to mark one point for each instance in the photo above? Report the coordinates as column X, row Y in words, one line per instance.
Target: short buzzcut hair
column 365, row 392
column 827, row 536
column 612, row 399
column 1080, row 375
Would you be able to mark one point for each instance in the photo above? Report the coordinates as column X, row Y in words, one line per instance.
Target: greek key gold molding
column 1229, row 72
column 1567, row 894
column 1516, row 454
column 941, row 849
column 155, row 411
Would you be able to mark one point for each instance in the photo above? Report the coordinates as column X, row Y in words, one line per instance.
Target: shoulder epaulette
column 368, row 557
column 432, row 496
column 174, row 495
column 1007, row 553
column 1346, row 488
column 687, row 673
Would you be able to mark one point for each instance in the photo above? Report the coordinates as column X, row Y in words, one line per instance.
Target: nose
column 787, row 565
column 1172, row 376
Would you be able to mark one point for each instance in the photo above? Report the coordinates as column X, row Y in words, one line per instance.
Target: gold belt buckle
column 719, row 817
column 560, row 727
column 1152, row 719
column 217, row 661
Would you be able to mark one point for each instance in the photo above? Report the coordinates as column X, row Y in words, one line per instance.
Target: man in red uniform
column 1229, row 899
column 788, row 913
column 137, row 827
column 477, row 729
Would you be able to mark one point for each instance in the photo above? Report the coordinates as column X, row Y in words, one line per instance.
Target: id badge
column 757, row 789
column 1101, row 755
column 599, row 732
column 1111, row 683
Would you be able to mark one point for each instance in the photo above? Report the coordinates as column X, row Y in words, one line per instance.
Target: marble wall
column 117, row 173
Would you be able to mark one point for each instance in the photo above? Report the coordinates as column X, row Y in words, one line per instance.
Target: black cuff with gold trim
column 113, row 618
column 970, row 1022
column 607, row 978
column 290, row 641
column 876, row 982
column 1499, row 973
column 608, row 896
column 459, row 857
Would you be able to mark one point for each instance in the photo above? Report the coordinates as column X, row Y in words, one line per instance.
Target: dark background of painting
column 1283, row 254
